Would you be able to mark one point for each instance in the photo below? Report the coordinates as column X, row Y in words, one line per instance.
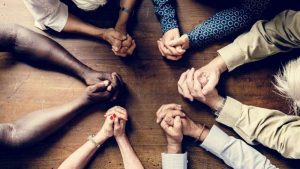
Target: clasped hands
column 175, row 124
column 115, row 123
column 172, row 46
column 200, row 85
column 122, row 43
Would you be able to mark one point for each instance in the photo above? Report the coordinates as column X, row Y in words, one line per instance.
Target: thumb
column 177, row 123
column 100, row 87
column 177, row 42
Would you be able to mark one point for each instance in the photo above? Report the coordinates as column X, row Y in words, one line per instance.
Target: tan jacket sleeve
column 271, row 128
column 264, row 39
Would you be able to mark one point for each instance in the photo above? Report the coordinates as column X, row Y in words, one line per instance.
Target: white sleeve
column 174, row 161
column 48, row 13
column 234, row 152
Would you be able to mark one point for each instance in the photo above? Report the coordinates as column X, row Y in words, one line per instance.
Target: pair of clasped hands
column 172, row 46
column 122, row 43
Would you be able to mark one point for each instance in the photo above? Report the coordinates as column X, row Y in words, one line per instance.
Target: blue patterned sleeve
column 227, row 22
column 166, row 13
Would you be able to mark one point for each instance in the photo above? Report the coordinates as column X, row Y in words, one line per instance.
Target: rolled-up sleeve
column 174, row 161
column 271, row 128
column 234, row 152
column 265, row 38
column 48, row 13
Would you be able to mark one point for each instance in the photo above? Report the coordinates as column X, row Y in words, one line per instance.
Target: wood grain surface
column 151, row 82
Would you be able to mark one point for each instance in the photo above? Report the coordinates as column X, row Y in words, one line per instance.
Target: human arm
column 130, row 159
column 166, row 13
column 79, row 158
column 173, row 158
column 264, row 39
column 234, row 152
column 37, row 125
column 54, row 14
column 34, row 47
column 223, row 23
column 271, row 128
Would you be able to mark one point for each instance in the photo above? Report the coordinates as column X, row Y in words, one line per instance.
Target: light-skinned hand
column 170, row 52
column 172, row 110
column 174, row 135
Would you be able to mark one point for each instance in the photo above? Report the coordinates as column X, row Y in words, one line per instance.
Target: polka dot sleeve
column 166, row 13
column 227, row 22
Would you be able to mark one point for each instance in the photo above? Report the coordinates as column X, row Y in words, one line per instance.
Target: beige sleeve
column 271, row 128
column 264, row 39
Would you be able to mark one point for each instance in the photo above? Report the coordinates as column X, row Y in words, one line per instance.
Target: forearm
column 42, row 49
column 130, row 159
column 37, row 125
column 234, row 152
column 229, row 21
column 263, row 40
column 124, row 16
column 271, row 128
column 75, row 25
column 166, row 13
column 82, row 156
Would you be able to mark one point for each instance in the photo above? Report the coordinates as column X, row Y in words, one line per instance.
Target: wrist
column 121, row 28
column 174, row 148
column 99, row 32
column 216, row 103
column 121, row 138
column 220, row 64
column 195, row 130
column 200, row 133
column 100, row 138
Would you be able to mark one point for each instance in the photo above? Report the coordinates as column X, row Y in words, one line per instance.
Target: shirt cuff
column 209, row 143
column 232, row 56
column 58, row 19
column 174, row 161
column 231, row 112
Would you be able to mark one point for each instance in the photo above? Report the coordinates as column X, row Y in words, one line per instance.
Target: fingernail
column 114, row 115
column 109, row 88
column 111, row 118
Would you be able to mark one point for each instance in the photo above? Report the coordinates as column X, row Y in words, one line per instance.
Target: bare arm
column 41, row 49
column 124, row 16
column 82, row 155
column 130, row 159
column 39, row 124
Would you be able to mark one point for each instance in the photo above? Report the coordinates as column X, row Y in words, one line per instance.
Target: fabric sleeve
column 227, row 22
column 281, row 34
column 48, row 13
column 174, row 161
column 166, row 13
column 271, row 128
column 234, row 152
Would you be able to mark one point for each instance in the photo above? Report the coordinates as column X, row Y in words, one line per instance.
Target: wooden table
column 151, row 82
